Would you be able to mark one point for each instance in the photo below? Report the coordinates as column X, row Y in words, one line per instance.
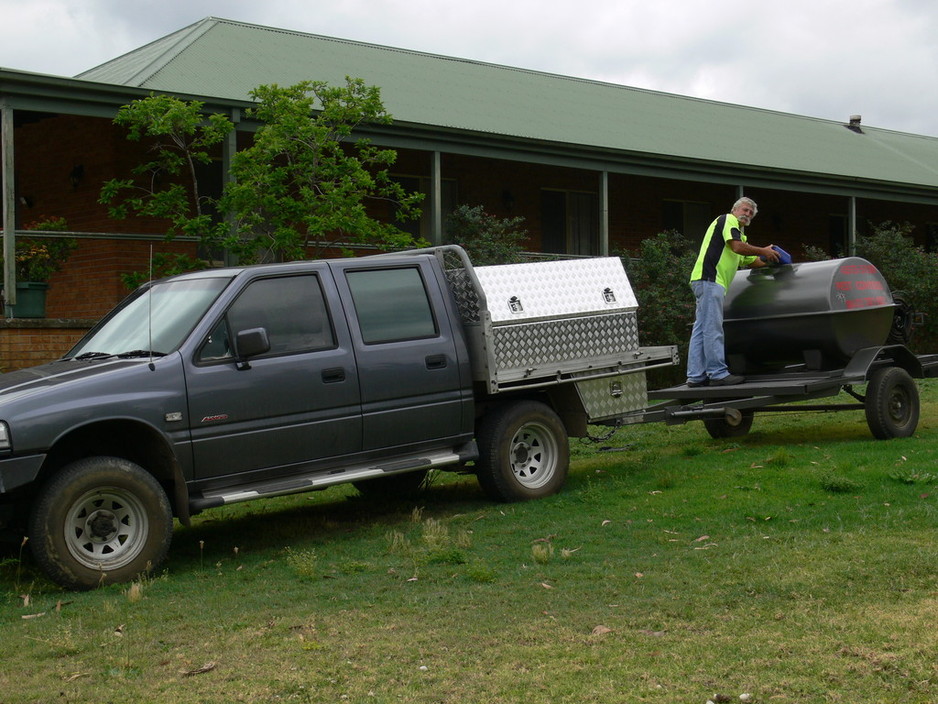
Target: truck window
column 157, row 319
column 292, row 310
column 391, row 305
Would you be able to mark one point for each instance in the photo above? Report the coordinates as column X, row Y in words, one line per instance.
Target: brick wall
column 61, row 163
column 26, row 343
column 51, row 150
column 90, row 284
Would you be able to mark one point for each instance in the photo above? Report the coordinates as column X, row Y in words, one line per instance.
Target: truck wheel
column 892, row 403
column 393, row 485
column 722, row 428
column 524, row 452
column 100, row 520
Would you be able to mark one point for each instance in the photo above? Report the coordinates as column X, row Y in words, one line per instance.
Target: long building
column 592, row 167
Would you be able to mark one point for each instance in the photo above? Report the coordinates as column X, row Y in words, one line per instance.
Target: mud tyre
column 100, row 520
column 524, row 452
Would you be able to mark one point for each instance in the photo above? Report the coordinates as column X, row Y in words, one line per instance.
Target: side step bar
column 326, row 478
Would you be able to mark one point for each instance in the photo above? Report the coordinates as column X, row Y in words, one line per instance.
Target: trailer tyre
column 722, row 428
column 100, row 520
column 892, row 403
column 524, row 452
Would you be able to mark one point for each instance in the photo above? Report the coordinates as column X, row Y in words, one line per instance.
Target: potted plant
column 36, row 261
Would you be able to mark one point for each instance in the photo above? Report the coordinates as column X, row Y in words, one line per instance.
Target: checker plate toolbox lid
column 542, row 323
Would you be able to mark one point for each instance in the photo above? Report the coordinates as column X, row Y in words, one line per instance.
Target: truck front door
column 296, row 405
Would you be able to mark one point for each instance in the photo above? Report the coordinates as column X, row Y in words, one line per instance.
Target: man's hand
column 767, row 253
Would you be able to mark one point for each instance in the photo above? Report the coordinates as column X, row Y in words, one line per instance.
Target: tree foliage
column 486, row 238
column 303, row 182
column 166, row 186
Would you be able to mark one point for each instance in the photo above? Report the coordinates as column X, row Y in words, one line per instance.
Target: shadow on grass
column 313, row 519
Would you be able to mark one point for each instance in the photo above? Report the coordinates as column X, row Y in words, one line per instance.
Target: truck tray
column 544, row 323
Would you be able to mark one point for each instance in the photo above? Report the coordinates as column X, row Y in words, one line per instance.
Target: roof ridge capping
column 155, row 56
column 160, row 48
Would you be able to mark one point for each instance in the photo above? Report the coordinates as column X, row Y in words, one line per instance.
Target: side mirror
column 250, row 343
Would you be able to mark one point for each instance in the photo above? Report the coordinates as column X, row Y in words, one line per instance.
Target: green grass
column 798, row 564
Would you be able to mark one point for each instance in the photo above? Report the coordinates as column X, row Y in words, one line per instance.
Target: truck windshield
column 152, row 321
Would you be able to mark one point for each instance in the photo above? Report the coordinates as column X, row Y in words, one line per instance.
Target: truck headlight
column 4, row 436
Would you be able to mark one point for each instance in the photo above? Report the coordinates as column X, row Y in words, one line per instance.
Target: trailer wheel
column 722, row 428
column 892, row 403
column 100, row 520
column 524, row 452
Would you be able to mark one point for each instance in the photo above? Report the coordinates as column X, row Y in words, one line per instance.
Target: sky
column 828, row 59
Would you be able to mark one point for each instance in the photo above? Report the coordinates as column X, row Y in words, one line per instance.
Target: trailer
column 808, row 331
column 890, row 401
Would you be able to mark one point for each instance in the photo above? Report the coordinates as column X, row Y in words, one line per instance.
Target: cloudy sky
column 820, row 58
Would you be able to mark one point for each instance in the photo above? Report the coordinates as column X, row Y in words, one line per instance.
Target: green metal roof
column 224, row 59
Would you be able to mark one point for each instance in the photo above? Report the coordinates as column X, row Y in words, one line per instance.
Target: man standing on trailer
column 724, row 250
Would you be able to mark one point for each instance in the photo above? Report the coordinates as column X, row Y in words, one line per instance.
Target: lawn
column 798, row 564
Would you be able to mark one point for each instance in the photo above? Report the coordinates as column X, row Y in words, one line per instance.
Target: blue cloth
column 706, row 357
column 783, row 256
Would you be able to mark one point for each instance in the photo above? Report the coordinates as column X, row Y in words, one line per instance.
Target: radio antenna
column 150, row 310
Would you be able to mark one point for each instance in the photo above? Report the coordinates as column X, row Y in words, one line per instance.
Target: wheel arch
column 562, row 399
column 128, row 439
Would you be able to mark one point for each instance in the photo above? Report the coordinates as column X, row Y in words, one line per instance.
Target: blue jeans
column 706, row 357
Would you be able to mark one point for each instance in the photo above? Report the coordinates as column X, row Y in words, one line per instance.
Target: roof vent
column 854, row 124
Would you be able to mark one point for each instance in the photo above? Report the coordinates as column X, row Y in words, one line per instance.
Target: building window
column 690, row 218
column 837, row 235
column 569, row 222
column 931, row 237
column 423, row 226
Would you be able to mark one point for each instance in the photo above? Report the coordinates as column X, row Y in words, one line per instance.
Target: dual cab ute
column 234, row 384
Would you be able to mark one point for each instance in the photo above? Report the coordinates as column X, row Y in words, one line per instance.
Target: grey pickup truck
column 236, row 384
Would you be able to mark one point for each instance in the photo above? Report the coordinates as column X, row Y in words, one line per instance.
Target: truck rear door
column 295, row 405
column 415, row 387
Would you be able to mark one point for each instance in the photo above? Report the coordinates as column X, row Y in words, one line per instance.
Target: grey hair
column 747, row 201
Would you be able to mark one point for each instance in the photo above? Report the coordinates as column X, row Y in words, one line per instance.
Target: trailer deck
column 890, row 399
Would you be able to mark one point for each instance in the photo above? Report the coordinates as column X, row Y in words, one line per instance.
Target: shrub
column 486, row 238
column 659, row 274
column 910, row 272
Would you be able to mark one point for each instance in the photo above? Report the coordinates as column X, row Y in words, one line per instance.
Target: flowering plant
column 38, row 259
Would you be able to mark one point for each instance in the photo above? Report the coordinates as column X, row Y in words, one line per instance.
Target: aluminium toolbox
column 568, row 321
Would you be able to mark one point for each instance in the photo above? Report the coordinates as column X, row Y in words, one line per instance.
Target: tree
column 167, row 186
column 303, row 182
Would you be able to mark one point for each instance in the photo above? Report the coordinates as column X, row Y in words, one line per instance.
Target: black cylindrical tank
column 817, row 313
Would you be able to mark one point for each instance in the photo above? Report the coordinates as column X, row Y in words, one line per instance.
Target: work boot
column 728, row 380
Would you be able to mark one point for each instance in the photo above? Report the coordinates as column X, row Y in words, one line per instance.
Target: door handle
column 436, row 361
column 333, row 375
